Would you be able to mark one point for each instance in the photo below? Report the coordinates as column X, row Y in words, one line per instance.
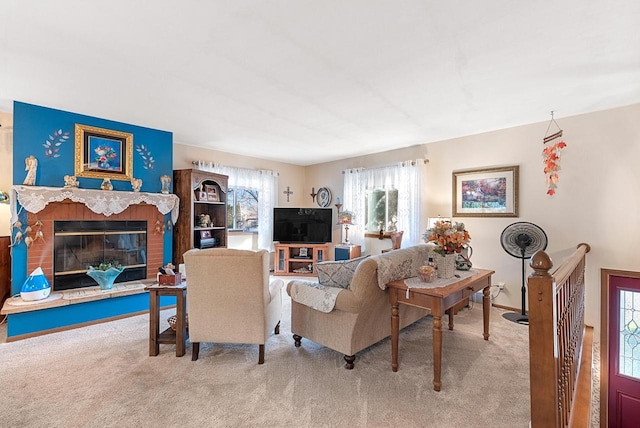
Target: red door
column 624, row 352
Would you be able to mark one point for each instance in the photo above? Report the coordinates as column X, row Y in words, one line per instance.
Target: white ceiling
column 306, row 82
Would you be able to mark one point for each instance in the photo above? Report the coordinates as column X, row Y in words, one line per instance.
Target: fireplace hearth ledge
column 77, row 295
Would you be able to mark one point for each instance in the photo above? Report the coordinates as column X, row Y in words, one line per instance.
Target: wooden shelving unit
column 289, row 261
column 5, row 268
column 190, row 231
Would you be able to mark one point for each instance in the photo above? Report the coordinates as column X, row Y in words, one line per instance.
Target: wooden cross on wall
column 288, row 193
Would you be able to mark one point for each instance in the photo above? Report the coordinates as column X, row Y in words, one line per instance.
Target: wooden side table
column 178, row 337
column 439, row 300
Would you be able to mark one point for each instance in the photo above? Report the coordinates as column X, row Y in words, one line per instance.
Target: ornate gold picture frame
column 103, row 153
column 488, row 192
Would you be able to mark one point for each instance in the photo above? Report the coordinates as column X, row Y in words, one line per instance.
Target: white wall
column 6, row 168
column 596, row 200
column 289, row 175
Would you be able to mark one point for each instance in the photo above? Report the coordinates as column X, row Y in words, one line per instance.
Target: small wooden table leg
column 437, row 352
column 154, row 323
column 451, row 311
column 486, row 310
column 395, row 327
column 181, row 323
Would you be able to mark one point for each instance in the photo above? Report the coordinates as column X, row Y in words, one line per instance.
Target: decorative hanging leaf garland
column 552, row 165
column 551, row 156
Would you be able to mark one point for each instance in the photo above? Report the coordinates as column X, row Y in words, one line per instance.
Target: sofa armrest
column 348, row 302
column 345, row 300
column 290, row 284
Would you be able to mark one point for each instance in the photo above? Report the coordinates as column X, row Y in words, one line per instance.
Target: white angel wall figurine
column 136, row 184
column 166, row 182
column 31, row 165
column 71, row 181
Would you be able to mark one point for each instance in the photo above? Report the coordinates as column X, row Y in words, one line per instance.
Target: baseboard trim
column 508, row 308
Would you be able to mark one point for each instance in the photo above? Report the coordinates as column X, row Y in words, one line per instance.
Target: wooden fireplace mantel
column 107, row 202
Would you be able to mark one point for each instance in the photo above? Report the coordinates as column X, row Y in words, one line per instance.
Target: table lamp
column 346, row 218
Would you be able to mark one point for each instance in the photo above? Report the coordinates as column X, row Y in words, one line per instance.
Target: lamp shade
column 36, row 287
column 346, row 217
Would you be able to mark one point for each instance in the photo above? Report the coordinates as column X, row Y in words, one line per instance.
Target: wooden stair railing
column 559, row 361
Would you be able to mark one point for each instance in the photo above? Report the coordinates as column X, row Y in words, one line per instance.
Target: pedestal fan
column 522, row 240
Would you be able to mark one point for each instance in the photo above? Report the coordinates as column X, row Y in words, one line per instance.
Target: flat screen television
column 302, row 225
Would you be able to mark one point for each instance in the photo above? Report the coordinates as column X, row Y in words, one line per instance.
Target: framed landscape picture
column 489, row 192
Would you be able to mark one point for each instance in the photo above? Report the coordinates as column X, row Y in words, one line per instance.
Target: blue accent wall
column 39, row 131
column 33, row 125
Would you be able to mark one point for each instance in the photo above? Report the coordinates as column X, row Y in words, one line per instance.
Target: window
column 381, row 210
column 242, row 210
column 388, row 198
column 250, row 184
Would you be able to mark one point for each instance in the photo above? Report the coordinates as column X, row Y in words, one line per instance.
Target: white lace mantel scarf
column 106, row 202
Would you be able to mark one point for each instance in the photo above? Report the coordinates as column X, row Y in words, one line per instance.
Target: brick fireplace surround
column 83, row 306
column 41, row 252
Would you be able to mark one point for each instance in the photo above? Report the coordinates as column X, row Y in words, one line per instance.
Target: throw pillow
column 337, row 274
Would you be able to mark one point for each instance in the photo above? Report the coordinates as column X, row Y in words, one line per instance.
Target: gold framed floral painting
column 488, row 192
column 103, row 153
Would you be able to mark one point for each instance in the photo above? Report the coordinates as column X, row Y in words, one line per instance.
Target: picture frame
column 487, row 192
column 205, row 234
column 103, row 153
column 212, row 193
column 201, row 195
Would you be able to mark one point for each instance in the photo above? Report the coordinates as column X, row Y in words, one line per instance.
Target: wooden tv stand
column 290, row 258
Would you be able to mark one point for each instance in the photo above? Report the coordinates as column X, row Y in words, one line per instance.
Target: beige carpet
column 102, row 376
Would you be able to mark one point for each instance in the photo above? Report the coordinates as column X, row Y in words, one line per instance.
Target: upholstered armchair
column 230, row 297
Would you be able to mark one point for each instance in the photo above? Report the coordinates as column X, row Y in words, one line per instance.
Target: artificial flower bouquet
column 448, row 237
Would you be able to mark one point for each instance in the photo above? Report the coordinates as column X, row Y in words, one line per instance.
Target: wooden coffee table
column 178, row 337
column 439, row 300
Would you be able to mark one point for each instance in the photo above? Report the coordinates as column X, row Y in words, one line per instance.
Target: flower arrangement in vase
column 450, row 239
column 106, row 157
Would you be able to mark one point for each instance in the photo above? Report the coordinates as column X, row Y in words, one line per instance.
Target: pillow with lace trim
column 337, row 273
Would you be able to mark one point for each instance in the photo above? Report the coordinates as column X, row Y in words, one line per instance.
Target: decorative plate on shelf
column 323, row 198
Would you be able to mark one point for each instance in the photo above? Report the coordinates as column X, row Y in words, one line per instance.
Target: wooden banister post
column 543, row 354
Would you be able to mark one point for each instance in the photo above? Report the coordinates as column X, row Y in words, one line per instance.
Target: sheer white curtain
column 406, row 177
column 353, row 195
column 265, row 182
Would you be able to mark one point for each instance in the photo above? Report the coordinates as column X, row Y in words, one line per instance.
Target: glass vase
column 104, row 278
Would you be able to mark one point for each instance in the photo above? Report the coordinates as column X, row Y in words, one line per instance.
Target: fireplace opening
column 80, row 244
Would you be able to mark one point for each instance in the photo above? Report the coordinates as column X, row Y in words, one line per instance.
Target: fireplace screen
column 80, row 244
